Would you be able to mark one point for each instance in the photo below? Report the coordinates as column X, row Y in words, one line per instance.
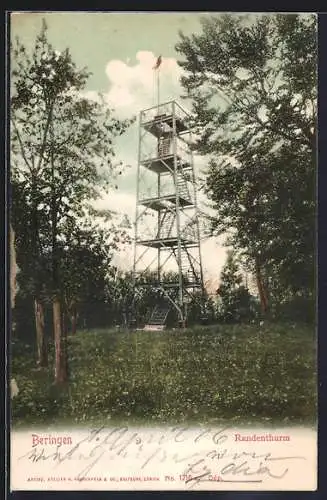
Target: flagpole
column 156, row 68
column 158, row 88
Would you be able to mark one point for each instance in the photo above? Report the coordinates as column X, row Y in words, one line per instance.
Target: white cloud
column 134, row 87
column 121, row 202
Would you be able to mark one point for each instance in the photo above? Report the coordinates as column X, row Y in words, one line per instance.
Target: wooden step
column 154, row 328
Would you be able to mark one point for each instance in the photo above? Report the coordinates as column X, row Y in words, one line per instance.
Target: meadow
column 240, row 373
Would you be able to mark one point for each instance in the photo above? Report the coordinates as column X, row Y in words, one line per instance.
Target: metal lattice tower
column 167, row 234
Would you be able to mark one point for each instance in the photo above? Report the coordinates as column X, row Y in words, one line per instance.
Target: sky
column 119, row 49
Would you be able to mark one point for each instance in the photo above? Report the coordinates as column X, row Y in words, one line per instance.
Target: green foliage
column 62, row 159
column 37, row 398
column 253, row 84
column 299, row 308
column 86, row 266
column 235, row 302
column 201, row 307
column 205, row 374
column 62, row 143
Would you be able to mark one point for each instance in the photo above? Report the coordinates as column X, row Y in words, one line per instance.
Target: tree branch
column 22, row 148
column 46, row 130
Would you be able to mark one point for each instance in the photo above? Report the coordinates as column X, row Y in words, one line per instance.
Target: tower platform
column 164, row 164
column 161, row 203
column 168, row 242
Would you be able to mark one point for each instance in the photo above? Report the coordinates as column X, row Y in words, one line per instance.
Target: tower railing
column 163, row 112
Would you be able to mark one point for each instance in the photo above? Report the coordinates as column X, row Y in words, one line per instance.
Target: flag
column 159, row 60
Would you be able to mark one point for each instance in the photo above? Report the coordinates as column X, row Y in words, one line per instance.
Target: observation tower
column 167, row 235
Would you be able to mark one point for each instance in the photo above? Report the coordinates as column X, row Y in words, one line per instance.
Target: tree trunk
column 261, row 288
column 64, row 327
column 60, row 345
column 42, row 354
column 73, row 318
column 61, row 361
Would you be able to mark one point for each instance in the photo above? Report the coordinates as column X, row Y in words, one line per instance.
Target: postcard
column 162, row 251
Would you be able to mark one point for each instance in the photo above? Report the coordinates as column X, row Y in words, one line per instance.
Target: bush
column 299, row 309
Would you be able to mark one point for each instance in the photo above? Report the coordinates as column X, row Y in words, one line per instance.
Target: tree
column 34, row 274
column 200, row 308
column 62, row 156
column 234, row 296
column 253, row 85
column 86, row 264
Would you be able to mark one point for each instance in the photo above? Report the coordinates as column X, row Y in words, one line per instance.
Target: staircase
column 189, row 273
column 182, row 187
column 166, row 225
column 158, row 318
column 189, row 230
column 185, row 266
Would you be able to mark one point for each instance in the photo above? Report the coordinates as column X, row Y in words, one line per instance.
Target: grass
column 240, row 373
